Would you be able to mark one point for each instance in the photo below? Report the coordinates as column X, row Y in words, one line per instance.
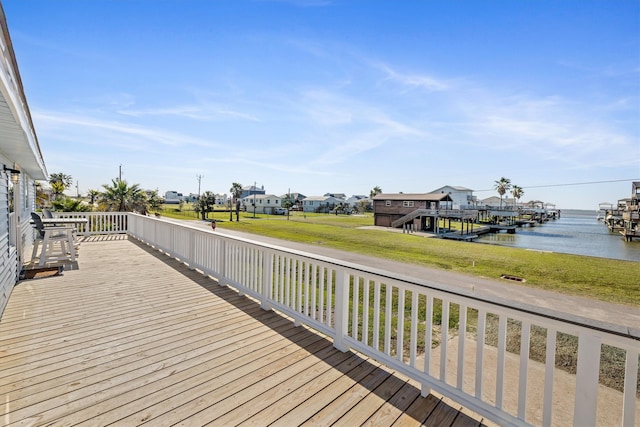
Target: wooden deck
column 131, row 336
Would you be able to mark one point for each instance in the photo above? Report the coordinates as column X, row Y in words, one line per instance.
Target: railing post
column 586, row 395
column 221, row 262
column 342, row 310
column 192, row 250
column 267, row 280
column 630, row 385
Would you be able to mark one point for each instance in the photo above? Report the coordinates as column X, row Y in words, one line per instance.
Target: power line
column 572, row 183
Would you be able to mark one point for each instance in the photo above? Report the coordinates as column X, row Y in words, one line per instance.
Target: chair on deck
column 46, row 213
column 47, row 237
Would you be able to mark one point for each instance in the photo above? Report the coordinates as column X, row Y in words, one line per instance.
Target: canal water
column 576, row 232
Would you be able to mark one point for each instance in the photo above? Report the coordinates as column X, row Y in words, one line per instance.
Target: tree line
column 121, row 196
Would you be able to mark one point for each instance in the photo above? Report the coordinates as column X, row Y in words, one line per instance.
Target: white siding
column 7, row 253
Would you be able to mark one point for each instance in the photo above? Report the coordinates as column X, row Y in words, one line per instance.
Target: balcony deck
column 131, row 336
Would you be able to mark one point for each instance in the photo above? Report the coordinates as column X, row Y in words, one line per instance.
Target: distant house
column 296, row 200
column 297, row 197
column 354, row 201
column 173, row 197
column 323, row 204
column 340, row 196
column 222, row 199
column 250, row 190
column 389, row 207
column 21, row 165
column 494, row 202
column 462, row 197
column 264, row 203
column 491, row 202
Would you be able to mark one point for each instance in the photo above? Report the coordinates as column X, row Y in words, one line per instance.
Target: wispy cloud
column 89, row 126
column 553, row 128
column 196, row 112
column 350, row 126
column 421, row 81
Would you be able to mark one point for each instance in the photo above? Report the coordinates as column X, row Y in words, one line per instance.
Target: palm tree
column 236, row 190
column 62, row 178
column 154, row 201
column 205, row 204
column 93, row 194
column 121, row 197
column 41, row 196
column 502, row 186
column 68, row 204
column 517, row 192
column 375, row 191
column 57, row 188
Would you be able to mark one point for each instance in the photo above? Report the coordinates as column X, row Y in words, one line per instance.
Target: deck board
column 132, row 336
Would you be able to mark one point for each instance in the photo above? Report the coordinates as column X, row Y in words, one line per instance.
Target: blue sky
column 322, row 96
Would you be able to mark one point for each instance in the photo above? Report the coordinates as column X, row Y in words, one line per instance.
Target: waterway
column 576, row 232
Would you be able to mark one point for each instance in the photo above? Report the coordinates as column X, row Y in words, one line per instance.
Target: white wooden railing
column 98, row 222
column 318, row 291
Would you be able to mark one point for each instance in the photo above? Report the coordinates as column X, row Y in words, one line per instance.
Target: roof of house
column 336, row 195
column 261, row 196
column 320, row 198
column 455, row 187
column 430, row 197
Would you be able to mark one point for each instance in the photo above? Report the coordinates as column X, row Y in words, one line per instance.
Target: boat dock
column 626, row 218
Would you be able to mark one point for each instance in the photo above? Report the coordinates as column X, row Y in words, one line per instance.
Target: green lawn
column 598, row 278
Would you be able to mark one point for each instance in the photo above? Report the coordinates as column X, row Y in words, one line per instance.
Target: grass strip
column 592, row 277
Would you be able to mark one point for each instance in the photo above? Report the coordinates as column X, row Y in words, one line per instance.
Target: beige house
column 264, row 203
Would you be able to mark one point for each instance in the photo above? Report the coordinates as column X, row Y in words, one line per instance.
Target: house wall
column 385, row 211
column 400, row 207
column 460, row 198
column 8, row 263
column 19, row 150
column 264, row 205
column 312, row 204
column 16, row 232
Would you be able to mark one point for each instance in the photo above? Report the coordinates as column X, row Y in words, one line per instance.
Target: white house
column 355, row 199
column 222, row 199
column 462, row 197
column 22, row 164
column 320, row 203
column 264, row 203
column 249, row 190
column 340, row 196
column 494, row 202
column 173, row 197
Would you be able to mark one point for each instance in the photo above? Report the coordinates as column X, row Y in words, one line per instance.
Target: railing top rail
column 527, row 309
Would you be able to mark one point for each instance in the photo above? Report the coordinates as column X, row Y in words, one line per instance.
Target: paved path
column 622, row 318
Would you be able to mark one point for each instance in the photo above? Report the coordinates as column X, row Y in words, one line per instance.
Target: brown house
column 388, row 208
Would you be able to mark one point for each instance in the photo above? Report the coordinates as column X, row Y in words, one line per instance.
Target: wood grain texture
column 132, row 336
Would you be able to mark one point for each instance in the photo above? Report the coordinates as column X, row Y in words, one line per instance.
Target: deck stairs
column 442, row 213
column 412, row 215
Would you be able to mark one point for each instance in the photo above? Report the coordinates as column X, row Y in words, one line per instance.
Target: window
column 387, row 203
column 407, row 203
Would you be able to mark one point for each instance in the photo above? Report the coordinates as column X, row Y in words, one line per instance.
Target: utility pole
column 120, row 174
column 254, row 199
column 199, row 180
